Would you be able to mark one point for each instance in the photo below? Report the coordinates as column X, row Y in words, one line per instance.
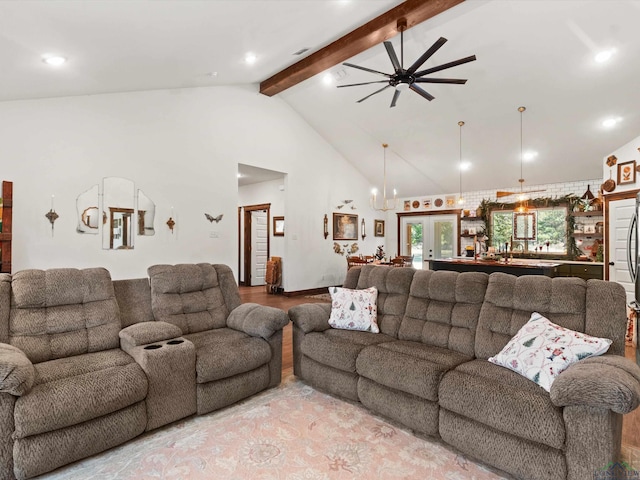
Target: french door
column 427, row 237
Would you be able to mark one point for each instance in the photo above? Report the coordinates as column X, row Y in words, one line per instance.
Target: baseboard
column 310, row 291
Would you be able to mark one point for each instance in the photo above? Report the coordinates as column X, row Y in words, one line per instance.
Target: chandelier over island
column 387, row 204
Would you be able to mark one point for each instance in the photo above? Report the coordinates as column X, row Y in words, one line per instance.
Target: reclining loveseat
column 87, row 364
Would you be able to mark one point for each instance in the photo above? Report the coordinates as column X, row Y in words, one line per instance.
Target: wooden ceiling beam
column 362, row 38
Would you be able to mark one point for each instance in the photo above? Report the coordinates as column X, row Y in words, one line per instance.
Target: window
column 545, row 231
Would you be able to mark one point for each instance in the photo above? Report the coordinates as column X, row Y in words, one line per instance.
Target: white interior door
column 620, row 212
column 428, row 237
column 259, row 247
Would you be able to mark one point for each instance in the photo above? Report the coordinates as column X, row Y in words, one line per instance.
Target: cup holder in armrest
column 152, row 347
column 175, row 342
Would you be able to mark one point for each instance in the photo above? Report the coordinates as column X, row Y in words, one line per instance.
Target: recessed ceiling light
column 530, row 155
column 54, row 60
column 327, row 78
column 240, row 175
column 250, row 58
column 464, row 166
column 611, row 122
column 604, row 55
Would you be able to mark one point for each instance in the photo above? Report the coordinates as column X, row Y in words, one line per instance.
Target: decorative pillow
column 354, row 309
column 542, row 350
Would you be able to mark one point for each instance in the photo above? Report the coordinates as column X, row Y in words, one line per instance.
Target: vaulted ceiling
column 537, row 54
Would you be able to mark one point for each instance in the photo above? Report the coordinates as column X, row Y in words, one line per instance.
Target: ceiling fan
column 404, row 78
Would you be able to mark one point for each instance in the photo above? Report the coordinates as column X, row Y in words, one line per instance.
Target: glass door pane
column 444, row 245
column 429, row 237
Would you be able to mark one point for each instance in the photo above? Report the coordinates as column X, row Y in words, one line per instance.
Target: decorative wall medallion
column 416, row 204
column 438, row 202
column 611, row 160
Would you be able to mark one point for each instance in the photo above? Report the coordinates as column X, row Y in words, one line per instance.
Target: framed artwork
column 345, row 226
column 472, row 231
column 378, row 228
column 426, row 203
column 627, row 173
column 450, row 201
column 278, row 226
column 407, row 205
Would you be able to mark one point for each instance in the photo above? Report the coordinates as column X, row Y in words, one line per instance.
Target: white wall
column 626, row 153
column 182, row 148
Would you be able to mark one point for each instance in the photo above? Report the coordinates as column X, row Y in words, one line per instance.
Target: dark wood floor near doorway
column 630, row 425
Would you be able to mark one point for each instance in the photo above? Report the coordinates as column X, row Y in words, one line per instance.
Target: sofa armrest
column 311, row 317
column 147, row 332
column 608, row 381
column 16, row 371
column 257, row 320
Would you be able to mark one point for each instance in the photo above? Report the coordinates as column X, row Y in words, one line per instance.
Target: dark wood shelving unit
column 5, row 235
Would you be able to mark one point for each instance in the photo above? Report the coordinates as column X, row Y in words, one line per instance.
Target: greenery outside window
column 546, row 230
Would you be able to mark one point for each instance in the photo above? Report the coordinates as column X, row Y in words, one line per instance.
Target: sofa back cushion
column 134, row 300
column 443, row 309
column 63, row 312
column 393, row 286
column 195, row 297
column 593, row 307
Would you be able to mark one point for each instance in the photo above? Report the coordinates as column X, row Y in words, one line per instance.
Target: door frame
column 246, row 234
column 424, row 214
column 612, row 197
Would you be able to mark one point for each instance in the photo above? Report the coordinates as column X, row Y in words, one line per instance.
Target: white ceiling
column 533, row 53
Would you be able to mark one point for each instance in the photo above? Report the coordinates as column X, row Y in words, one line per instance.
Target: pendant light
column 522, row 206
column 387, row 204
column 460, row 199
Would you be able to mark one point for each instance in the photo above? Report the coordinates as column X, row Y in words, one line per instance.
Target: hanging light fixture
column 460, row 199
column 522, row 198
column 387, row 204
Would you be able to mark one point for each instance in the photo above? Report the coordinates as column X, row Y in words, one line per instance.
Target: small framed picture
column 378, row 228
column 589, row 229
column 407, row 205
column 426, row 203
column 627, row 173
column 472, row 231
column 278, row 226
column 450, row 201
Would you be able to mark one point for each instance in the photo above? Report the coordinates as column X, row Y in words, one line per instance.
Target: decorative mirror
column 118, row 207
column 146, row 214
column 88, row 212
column 524, row 226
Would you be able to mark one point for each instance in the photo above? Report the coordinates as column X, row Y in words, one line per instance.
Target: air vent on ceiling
column 301, row 51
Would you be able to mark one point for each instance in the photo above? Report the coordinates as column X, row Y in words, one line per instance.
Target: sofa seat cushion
column 504, row 400
column 69, row 391
column 339, row 348
column 411, row 367
column 223, row 352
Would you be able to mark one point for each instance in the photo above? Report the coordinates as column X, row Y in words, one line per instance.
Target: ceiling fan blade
column 421, row 92
column 365, row 83
column 456, row 81
column 392, row 55
column 367, row 69
column 426, row 55
column 372, row 94
column 444, row 66
column 396, row 95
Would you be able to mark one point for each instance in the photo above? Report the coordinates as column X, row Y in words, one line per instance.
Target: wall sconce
column 171, row 223
column 363, row 233
column 326, row 226
column 51, row 215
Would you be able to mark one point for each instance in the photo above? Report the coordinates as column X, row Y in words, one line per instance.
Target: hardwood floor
column 630, row 423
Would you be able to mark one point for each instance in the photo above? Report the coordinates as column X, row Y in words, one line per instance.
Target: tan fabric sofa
column 87, row 363
column 428, row 368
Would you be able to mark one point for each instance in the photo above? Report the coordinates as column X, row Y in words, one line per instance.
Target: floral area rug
column 291, row 432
